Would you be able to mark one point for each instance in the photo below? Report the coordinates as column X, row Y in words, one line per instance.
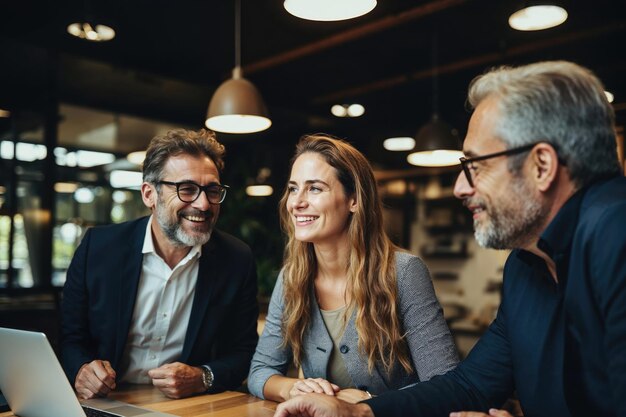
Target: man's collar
column 557, row 237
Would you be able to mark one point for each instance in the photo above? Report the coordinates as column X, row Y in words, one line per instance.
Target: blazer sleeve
column 77, row 347
column 270, row 358
column 482, row 381
column 428, row 337
column 608, row 266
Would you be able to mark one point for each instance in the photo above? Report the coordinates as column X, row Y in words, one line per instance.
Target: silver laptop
column 34, row 384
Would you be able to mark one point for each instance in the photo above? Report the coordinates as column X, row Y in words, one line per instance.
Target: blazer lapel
column 318, row 344
column 208, row 277
column 128, row 282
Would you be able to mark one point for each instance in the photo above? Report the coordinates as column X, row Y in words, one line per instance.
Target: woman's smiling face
column 317, row 201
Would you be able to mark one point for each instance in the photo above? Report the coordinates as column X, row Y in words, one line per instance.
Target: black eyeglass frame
column 466, row 162
column 222, row 187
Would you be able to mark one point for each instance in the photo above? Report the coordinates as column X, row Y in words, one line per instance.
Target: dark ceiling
column 169, row 56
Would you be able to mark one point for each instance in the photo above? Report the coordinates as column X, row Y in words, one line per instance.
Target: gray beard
column 174, row 232
column 511, row 222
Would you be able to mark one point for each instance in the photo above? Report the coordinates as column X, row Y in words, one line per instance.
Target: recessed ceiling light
column 401, row 143
column 347, row 110
column 259, row 190
column 537, row 17
column 339, row 110
column 438, row 158
column 355, row 110
column 94, row 33
column 609, row 96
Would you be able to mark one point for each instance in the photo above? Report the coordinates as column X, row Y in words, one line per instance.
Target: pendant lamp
column 436, row 143
column 329, row 10
column 538, row 15
column 237, row 105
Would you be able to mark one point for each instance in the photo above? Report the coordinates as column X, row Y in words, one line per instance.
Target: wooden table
column 225, row 404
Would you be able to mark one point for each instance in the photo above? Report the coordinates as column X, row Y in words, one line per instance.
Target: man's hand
column 492, row 413
column 311, row 385
column 95, row 379
column 321, row 405
column 177, row 380
column 353, row 395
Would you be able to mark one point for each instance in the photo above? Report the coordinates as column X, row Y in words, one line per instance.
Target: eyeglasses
column 189, row 191
column 467, row 163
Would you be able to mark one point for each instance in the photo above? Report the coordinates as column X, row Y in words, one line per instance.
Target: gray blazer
column 430, row 343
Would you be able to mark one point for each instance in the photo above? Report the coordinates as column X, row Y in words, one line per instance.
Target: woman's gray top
column 427, row 336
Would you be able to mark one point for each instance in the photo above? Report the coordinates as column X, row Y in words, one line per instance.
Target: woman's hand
column 353, row 395
column 309, row 385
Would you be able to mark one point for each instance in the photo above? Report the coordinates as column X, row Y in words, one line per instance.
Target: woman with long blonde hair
column 359, row 316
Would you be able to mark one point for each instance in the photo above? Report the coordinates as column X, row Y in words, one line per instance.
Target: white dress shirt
column 161, row 314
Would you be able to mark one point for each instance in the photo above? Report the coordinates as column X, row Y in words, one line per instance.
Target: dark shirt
column 562, row 346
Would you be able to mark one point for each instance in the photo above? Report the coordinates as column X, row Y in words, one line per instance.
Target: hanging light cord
column 237, row 33
column 435, row 74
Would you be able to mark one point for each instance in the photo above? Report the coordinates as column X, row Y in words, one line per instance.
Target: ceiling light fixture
column 236, row 105
column 89, row 32
column 400, row 143
column 259, row 190
column 538, row 17
column 259, row 186
column 436, row 143
column 609, row 96
column 329, row 10
column 347, row 110
column 356, row 110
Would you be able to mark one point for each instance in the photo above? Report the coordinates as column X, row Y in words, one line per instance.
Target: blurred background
column 72, row 109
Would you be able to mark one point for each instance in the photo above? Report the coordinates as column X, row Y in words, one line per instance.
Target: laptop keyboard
column 93, row 412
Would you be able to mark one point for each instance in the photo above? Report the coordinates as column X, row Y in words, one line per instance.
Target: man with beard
column 167, row 299
column 541, row 176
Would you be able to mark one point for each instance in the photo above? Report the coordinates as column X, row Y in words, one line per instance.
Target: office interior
column 72, row 110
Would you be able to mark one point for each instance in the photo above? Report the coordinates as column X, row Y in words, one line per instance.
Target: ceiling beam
column 351, row 35
column 475, row 61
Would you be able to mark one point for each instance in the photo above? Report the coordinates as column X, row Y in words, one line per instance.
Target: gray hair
column 180, row 141
column 558, row 102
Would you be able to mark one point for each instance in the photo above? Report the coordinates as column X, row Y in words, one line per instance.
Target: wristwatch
column 207, row 377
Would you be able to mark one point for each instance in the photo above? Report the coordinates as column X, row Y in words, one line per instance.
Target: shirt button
column 344, row 349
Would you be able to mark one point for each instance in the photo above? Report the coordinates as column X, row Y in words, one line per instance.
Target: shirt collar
column 557, row 237
column 148, row 243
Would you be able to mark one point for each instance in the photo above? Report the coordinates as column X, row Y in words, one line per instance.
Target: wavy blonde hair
column 371, row 267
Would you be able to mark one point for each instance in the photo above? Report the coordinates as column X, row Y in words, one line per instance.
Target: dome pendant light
column 436, row 143
column 538, row 15
column 329, row 10
column 237, row 105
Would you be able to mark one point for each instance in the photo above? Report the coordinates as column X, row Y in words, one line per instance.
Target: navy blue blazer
column 101, row 289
